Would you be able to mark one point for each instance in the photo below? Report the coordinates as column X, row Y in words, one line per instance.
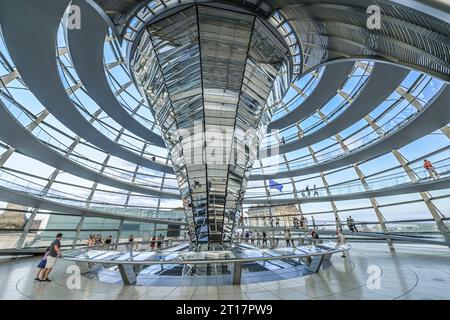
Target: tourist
column 153, row 243
column 91, row 241
column 349, row 224
column 341, row 240
column 316, row 193
column 53, row 254
column 352, row 222
column 258, row 238
column 431, row 171
column 287, row 235
column 98, row 239
column 338, row 224
column 130, row 242
column 290, row 237
column 108, row 241
column 314, row 236
column 264, row 241
column 160, row 241
column 41, row 264
column 271, row 222
column 308, row 192
column 278, row 222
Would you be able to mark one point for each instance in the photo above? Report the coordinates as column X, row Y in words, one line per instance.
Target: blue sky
column 414, row 150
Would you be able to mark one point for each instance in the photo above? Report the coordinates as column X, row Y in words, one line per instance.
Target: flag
column 275, row 185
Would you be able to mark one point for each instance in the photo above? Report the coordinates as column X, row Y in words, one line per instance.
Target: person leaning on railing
column 130, row 242
column 314, row 236
column 153, row 243
column 53, row 254
column 41, row 265
column 108, row 241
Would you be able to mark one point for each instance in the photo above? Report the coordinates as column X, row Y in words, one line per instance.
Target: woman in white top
column 287, row 236
column 341, row 241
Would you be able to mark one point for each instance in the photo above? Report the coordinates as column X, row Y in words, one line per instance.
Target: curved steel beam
column 430, row 16
column 86, row 47
column 434, row 116
column 353, row 41
column 332, row 79
column 382, row 82
column 31, row 41
column 33, row 201
column 408, row 36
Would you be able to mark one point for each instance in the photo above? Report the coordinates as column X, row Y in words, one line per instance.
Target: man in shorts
column 53, row 254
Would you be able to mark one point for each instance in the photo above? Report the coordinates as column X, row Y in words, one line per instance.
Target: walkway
column 432, row 117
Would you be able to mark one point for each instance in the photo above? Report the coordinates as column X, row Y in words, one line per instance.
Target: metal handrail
column 341, row 248
column 367, row 139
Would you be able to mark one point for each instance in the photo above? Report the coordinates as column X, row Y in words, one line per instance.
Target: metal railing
column 11, row 181
column 372, row 184
column 392, row 125
column 56, row 145
column 325, row 249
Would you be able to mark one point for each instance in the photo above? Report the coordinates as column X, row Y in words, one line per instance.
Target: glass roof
column 401, row 166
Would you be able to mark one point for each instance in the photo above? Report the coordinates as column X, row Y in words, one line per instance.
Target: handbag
column 42, row 263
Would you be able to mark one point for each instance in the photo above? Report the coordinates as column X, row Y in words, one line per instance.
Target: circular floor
column 368, row 272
